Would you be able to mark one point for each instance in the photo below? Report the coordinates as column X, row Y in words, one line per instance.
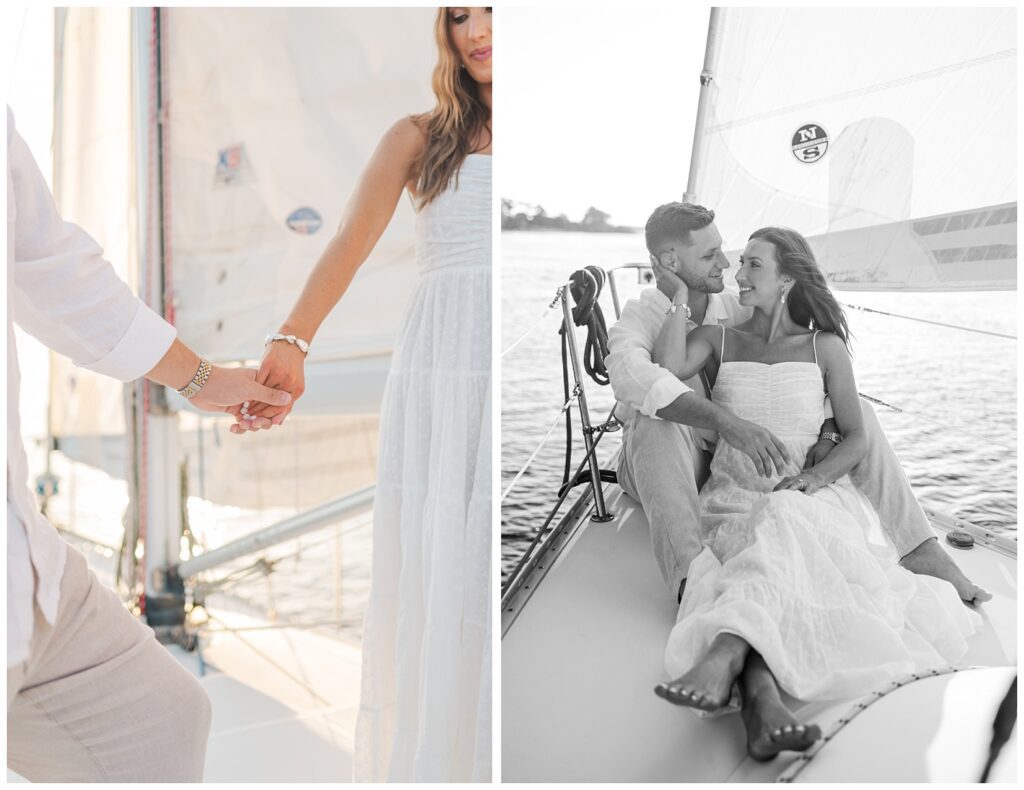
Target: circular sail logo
column 304, row 221
column 810, row 143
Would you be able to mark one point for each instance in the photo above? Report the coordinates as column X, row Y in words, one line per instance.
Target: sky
column 598, row 107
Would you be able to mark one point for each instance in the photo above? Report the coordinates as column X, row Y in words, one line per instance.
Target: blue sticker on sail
column 809, row 143
column 305, row 221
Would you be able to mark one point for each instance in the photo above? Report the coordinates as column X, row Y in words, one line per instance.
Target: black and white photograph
column 758, row 395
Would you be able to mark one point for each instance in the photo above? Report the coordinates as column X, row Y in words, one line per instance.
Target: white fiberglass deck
column 584, row 652
column 284, row 699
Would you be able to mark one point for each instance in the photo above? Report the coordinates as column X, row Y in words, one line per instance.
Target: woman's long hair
column 810, row 301
column 459, row 117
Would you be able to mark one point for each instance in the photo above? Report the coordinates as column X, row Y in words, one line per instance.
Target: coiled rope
column 585, row 287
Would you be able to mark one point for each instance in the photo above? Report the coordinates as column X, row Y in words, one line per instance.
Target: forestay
column 888, row 136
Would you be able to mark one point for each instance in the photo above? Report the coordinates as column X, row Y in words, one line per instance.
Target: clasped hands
column 282, row 368
column 769, row 455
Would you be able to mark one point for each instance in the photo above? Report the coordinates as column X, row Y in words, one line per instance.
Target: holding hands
column 282, row 368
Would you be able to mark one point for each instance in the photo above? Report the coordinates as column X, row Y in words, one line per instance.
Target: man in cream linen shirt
column 671, row 427
column 91, row 695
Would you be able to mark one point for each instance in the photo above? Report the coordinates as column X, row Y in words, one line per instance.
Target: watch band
column 835, row 438
column 302, row 345
column 199, row 380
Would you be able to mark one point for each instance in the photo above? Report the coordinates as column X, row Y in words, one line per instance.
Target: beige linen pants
column 99, row 699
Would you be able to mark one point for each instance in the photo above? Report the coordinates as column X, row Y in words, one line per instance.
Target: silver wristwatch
column 302, row 345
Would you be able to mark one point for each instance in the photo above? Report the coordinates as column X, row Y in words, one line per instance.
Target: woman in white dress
column 789, row 593
column 426, row 690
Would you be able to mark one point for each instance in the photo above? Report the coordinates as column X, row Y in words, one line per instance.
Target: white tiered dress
column 833, row 615
column 425, row 712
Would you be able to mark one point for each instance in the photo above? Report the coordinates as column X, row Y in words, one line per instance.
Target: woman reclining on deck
column 788, row 593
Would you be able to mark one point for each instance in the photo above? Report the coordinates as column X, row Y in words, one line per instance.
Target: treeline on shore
column 524, row 216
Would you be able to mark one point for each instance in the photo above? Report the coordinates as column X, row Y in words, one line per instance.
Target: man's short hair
column 673, row 222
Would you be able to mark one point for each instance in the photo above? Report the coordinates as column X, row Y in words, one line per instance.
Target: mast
column 706, row 77
column 154, row 425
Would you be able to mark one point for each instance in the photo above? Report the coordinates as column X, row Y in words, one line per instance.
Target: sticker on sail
column 810, row 143
column 232, row 164
column 304, row 221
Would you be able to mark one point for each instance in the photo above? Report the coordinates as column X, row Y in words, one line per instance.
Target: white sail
column 266, row 112
column 271, row 115
column 93, row 182
column 888, row 136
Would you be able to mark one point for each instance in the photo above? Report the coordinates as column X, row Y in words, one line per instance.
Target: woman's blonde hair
column 459, row 117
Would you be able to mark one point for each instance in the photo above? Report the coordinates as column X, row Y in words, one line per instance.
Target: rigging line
column 274, row 627
column 933, row 323
column 542, row 531
column 947, row 425
column 554, row 424
column 294, row 678
column 864, row 91
column 540, row 318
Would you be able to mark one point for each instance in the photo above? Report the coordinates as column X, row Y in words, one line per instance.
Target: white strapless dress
column 425, row 711
column 795, row 575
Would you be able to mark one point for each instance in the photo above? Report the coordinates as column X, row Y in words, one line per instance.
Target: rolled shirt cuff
column 144, row 344
column 665, row 390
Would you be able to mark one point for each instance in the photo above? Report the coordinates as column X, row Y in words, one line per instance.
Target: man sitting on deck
column 671, row 427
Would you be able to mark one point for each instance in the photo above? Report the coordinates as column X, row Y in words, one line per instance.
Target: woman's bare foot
column 771, row 728
column 931, row 560
column 708, row 686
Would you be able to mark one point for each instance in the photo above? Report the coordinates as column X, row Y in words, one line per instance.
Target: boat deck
column 580, row 661
column 284, row 699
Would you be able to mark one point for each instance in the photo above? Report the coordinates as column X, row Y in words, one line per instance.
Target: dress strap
column 814, row 344
column 723, row 343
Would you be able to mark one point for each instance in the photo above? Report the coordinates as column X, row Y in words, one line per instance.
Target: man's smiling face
column 701, row 263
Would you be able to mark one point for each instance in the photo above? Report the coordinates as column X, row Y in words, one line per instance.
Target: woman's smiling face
column 469, row 30
column 758, row 276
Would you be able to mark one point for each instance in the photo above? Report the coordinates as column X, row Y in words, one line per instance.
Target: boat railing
column 308, row 521
column 588, row 470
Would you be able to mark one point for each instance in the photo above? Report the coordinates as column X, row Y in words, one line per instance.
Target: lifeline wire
column 933, row 323
column 547, row 436
column 536, row 323
column 953, row 426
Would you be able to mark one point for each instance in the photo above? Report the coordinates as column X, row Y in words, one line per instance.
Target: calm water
column 956, row 435
column 321, row 578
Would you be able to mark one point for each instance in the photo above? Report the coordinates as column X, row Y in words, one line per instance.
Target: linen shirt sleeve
column 637, row 380
column 64, row 292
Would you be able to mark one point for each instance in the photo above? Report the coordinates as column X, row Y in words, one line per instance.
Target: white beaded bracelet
column 302, row 345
